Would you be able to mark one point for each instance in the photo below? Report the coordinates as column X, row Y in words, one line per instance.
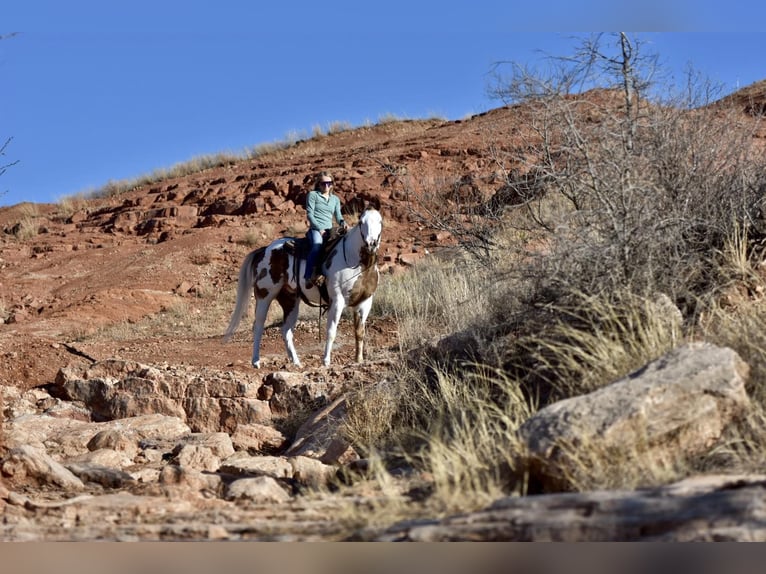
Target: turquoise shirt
column 321, row 210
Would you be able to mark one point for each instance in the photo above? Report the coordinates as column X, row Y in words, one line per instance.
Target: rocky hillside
column 85, row 264
column 101, row 419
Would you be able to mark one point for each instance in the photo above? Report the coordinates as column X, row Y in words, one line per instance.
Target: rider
column 321, row 206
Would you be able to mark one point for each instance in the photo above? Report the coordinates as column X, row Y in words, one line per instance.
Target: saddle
column 299, row 248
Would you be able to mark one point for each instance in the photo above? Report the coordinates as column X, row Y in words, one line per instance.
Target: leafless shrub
column 608, row 195
column 4, row 166
column 632, row 190
column 459, row 206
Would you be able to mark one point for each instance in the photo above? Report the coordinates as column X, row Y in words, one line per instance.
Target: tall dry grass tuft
column 742, row 327
column 28, row 224
column 456, row 431
column 743, row 448
column 472, row 449
column 591, row 341
column 436, row 297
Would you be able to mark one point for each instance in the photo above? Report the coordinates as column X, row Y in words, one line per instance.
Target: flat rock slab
column 707, row 509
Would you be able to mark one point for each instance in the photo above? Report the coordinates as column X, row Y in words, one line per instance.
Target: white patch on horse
column 351, row 273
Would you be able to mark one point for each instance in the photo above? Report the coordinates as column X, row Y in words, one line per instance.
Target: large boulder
column 674, row 408
column 26, row 465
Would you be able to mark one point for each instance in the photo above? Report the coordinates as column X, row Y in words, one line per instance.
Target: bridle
column 370, row 249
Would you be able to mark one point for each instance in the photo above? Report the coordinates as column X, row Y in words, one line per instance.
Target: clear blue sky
column 94, row 90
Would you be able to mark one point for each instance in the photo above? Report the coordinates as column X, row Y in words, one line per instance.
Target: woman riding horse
column 272, row 272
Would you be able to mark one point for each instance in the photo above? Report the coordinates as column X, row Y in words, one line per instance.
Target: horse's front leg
column 360, row 320
column 333, row 318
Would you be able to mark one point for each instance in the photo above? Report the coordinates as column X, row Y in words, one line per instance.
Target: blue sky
column 94, row 91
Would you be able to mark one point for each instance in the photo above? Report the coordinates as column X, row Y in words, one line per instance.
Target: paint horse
column 276, row 272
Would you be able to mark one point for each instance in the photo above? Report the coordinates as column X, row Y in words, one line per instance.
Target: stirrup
column 315, row 281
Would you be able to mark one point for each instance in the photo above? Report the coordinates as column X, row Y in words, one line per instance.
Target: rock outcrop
column 123, row 472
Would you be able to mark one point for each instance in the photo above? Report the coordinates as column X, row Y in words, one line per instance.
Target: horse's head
column 371, row 227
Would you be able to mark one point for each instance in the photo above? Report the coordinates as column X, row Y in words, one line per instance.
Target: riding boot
column 311, row 276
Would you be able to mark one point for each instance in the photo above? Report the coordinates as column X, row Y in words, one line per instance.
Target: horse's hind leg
column 261, row 312
column 290, row 305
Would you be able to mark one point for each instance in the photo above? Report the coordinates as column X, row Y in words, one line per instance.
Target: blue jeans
column 316, row 239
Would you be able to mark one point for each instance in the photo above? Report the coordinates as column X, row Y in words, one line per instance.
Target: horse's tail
column 244, row 285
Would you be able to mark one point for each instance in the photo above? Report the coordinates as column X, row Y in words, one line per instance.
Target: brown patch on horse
column 367, row 258
column 279, row 265
column 258, row 255
column 365, row 286
column 259, row 273
column 287, row 299
column 261, row 292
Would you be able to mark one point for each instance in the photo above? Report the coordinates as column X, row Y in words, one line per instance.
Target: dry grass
column 594, row 341
column 590, row 465
column 297, row 142
column 71, row 204
column 28, row 224
column 201, row 258
column 201, row 316
column 433, row 298
column 456, row 431
column 472, row 446
column 742, row 328
column 251, row 239
column 456, row 424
